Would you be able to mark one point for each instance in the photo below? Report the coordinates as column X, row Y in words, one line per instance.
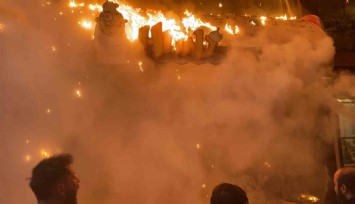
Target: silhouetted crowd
column 54, row 181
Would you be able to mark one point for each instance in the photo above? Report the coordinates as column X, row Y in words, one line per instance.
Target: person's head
column 226, row 193
column 344, row 183
column 53, row 179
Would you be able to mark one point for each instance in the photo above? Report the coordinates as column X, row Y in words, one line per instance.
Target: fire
column 179, row 29
column 191, row 23
column 285, row 18
column 229, row 29
column 95, row 7
column 72, row 4
column 263, row 19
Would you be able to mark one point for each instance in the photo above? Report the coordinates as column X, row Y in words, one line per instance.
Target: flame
column 310, row 198
column 285, row 18
column 179, row 29
column 229, row 29
column 73, row 4
column 191, row 23
column 95, row 7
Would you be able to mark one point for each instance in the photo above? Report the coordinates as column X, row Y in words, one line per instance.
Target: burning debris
column 165, row 38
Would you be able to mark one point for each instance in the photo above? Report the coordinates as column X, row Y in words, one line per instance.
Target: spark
column 198, row 146
column 60, row 13
column 203, row 185
column 53, row 48
column 253, row 23
column 220, row 5
column 48, row 111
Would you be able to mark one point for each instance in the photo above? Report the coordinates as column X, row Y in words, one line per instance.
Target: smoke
column 171, row 132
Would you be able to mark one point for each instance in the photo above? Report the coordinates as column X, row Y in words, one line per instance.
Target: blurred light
column 267, row 164
column 53, row 48
column 87, row 25
column 2, row 27
column 220, row 5
column 179, row 77
column 60, row 13
column 78, row 93
column 198, row 146
column 44, row 154
column 140, row 63
column 28, row 158
column 203, row 185
column 48, row 111
column 27, row 141
column 253, row 23
column 263, row 19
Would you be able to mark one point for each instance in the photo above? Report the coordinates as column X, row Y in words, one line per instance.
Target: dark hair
column 226, row 193
column 348, row 179
column 47, row 174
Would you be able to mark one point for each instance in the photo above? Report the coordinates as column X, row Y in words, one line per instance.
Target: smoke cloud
column 169, row 133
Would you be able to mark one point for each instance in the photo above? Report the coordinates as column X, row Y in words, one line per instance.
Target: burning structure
column 264, row 108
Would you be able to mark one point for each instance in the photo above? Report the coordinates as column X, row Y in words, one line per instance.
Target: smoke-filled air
column 164, row 131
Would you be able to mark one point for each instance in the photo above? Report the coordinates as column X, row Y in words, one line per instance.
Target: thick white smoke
column 148, row 136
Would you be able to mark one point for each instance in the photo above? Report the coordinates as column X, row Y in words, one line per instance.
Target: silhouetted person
column 344, row 185
column 53, row 180
column 226, row 193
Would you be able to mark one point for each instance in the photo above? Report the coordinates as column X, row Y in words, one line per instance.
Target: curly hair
column 48, row 173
